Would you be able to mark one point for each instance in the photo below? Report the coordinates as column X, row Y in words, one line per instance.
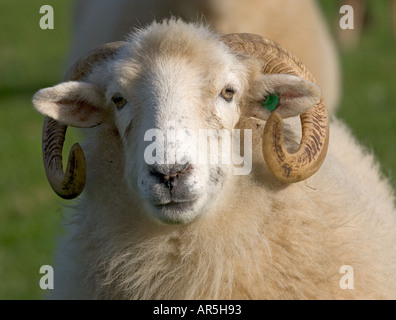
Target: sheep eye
column 119, row 101
column 228, row 93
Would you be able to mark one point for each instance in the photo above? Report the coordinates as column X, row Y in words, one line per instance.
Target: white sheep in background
column 198, row 231
column 297, row 25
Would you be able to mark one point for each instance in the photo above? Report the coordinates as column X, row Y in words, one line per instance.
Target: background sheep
column 274, row 240
column 297, row 25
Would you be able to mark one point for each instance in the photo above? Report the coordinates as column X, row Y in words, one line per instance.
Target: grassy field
column 30, row 215
column 31, row 58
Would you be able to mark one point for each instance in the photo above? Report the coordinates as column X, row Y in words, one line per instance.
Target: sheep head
column 175, row 75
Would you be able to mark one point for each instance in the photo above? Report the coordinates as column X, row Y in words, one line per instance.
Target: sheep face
column 169, row 91
column 173, row 102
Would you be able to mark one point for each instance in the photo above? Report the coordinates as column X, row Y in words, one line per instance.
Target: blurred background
column 32, row 58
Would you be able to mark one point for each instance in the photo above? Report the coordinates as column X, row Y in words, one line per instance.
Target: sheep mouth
column 176, row 204
column 176, row 212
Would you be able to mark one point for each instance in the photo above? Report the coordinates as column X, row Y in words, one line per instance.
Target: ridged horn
column 309, row 157
column 71, row 183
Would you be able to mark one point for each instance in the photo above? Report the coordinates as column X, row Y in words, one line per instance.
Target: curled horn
column 70, row 184
column 309, row 157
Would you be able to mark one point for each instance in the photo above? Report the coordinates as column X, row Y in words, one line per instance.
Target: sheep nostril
column 169, row 174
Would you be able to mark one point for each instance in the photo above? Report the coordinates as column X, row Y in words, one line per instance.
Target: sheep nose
column 169, row 174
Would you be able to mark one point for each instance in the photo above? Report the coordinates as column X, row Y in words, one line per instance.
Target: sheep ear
column 287, row 94
column 78, row 104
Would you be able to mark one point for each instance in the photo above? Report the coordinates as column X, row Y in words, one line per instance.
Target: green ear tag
column 271, row 102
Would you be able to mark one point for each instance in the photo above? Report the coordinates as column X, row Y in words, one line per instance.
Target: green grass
column 30, row 215
column 31, row 58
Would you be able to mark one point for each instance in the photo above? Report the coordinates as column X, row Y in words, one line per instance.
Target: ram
column 312, row 202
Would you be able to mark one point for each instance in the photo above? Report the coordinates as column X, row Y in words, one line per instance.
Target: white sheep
column 299, row 26
column 191, row 230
